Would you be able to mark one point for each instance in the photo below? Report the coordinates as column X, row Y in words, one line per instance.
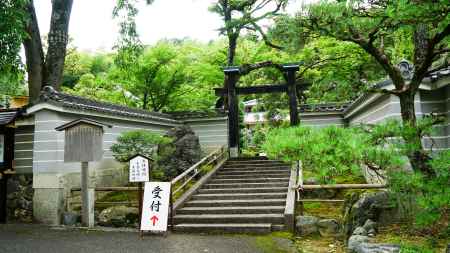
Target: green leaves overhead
column 12, row 32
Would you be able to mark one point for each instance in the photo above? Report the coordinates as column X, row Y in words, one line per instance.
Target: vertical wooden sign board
column 139, row 172
column 155, row 212
column 83, row 142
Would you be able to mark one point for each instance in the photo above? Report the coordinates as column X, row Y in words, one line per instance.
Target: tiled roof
column 328, row 107
column 183, row 115
column 440, row 73
column 8, row 115
column 49, row 95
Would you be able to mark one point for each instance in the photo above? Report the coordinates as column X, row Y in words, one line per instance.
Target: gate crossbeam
column 232, row 75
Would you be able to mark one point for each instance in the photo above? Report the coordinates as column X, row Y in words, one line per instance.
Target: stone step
column 235, row 202
column 232, row 210
column 246, row 185
column 255, row 179
column 243, row 190
column 223, row 196
column 256, row 164
column 253, row 159
column 251, row 172
column 229, row 218
column 253, row 176
column 259, row 228
column 233, row 168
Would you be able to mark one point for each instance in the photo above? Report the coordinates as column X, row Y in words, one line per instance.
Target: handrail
column 217, row 157
column 196, row 165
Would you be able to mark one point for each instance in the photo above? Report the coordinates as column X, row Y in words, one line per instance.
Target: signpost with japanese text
column 155, row 208
column 139, row 169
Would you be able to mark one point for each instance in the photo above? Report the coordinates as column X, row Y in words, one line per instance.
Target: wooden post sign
column 83, row 142
column 139, row 172
column 155, row 212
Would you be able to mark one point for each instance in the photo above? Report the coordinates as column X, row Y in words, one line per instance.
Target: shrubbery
column 145, row 143
column 137, row 142
column 334, row 151
column 331, row 151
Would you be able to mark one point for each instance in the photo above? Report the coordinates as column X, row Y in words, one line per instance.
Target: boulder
column 20, row 198
column 183, row 152
column 359, row 231
column 374, row 206
column 376, row 248
column 307, row 225
column 355, row 240
column 370, row 225
column 119, row 216
column 328, row 227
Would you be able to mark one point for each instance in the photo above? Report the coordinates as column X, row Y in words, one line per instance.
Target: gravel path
column 36, row 239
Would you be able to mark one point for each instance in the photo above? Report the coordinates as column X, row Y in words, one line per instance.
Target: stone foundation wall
column 20, row 198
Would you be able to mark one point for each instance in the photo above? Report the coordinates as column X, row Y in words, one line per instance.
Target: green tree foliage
column 432, row 195
column 12, row 31
column 137, row 142
column 330, row 151
column 240, row 15
column 375, row 27
column 338, row 71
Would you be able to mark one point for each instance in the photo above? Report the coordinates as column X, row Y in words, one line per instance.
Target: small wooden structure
column 231, row 91
column 84, row 143
column 83, row 140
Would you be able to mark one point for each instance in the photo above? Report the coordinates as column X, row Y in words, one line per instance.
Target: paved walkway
column 36, row 239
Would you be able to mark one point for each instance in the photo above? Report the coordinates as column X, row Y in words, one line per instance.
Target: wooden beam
column 344, row 186
column 323, row 200
column 231, row 79
column 292, row 93
column 260, row 89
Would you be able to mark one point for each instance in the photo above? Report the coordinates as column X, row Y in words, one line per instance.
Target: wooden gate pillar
column 291, row 92
column 232, row 76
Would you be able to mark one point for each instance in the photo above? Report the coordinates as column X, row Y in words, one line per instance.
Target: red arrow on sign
column 154, row 219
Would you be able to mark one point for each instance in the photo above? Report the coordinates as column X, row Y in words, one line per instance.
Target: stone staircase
column 244, row 196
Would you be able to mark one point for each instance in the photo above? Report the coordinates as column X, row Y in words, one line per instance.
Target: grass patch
column 323, row 210
column 410, row 240
column 318, row 244
column 117, row 196
column 275, row 242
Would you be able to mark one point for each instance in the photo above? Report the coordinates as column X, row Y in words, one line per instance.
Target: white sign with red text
column 155, row 207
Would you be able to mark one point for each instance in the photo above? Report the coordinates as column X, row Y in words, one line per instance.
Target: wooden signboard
column 83, row 142
column 155, row 212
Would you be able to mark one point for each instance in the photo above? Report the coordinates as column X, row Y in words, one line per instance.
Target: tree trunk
column 413, row 139
column 58, row 38
column 232, row 44
column 145, row 101
column 34, row 54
